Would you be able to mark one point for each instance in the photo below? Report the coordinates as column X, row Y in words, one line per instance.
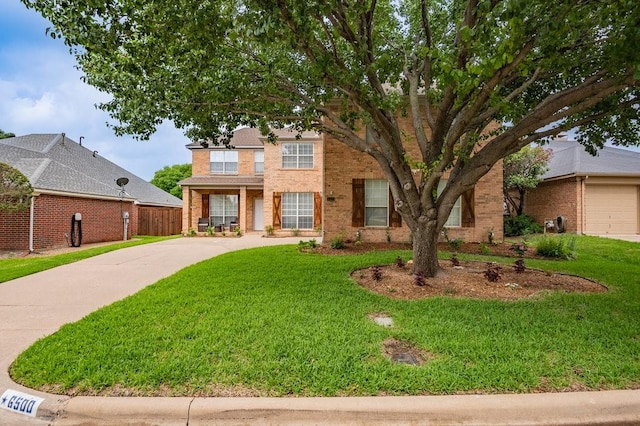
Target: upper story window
column 258, row 161
column 297, row 156
column 223, row 162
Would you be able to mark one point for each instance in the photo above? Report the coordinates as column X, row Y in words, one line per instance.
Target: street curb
column 562, row 409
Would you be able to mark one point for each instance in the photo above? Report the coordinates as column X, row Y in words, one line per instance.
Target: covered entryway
column 611, row 209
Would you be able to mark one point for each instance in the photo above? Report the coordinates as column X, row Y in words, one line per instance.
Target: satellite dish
column 122, row 181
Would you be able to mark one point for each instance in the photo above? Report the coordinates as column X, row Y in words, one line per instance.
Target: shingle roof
column 53, row 162
column 570, row 159
column 249, row 137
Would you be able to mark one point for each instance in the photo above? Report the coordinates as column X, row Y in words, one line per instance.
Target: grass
column 274, row 321
column 16, row 267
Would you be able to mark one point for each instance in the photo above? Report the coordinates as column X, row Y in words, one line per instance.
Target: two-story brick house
column 254, row 184
column 311, row 184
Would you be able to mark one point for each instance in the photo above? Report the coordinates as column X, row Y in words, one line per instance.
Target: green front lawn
column 273, row 321
column 17, row 267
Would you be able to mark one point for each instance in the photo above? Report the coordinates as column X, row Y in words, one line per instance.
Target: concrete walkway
column 37, row 305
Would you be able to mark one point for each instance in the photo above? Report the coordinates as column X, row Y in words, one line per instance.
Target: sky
column 41, row 92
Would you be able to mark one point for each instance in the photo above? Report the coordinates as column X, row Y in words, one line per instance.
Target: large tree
column 167, row 178
column 537, row 67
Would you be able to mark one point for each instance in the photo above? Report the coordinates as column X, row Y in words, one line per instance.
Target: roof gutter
column 586, row 175
column 79, row 195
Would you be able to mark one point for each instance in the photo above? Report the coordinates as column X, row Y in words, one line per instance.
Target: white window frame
column 292, row 158
column 297, row 210
column 258, row 161
column 455, row 217
column 228, row 160
column 228, row 212
column 373, row 204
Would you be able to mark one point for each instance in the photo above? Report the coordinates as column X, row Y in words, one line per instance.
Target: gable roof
column 570, row 159
column 54, row 163
column 250, row 137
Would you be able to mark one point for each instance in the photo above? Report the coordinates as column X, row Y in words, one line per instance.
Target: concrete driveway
column 37, row 305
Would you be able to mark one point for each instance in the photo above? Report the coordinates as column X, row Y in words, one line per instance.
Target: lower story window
column 455, row 217
column 376, row 199
column 224, row 209
column 297, row 210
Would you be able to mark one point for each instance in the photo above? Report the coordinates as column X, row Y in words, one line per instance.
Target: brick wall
column 101, row 221
column 343, row 164
column 556, row 198
column 14, row 231
column 200, row 164
column 277, row 179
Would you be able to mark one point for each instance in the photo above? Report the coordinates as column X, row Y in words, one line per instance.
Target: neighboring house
column 314, row 185
column 596, row 195
column 68, row 178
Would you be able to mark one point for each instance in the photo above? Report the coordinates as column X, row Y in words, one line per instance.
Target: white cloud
column 41, row 92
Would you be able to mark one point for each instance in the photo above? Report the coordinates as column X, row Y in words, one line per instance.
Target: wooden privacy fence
column 159, row 221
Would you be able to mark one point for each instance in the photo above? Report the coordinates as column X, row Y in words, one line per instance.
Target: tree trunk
column 425, row 248
column 521, row 191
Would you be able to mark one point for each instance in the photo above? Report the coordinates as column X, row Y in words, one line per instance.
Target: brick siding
column 488, row 200
column 556, row 198
column 101, row 221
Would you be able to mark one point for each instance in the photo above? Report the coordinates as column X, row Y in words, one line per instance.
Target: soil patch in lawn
column 466, row 280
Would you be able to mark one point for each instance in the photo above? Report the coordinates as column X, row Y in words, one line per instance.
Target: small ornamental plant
column 376, row 273
column 519, row 266
column 493, row 272
column 399, row 262
column 419, row 278
column 519, row 249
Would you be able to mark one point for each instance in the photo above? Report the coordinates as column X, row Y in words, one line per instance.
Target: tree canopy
column 168, row 177
column 522, row 171
column 5, row 135
column 15, row 189
column 455, row 67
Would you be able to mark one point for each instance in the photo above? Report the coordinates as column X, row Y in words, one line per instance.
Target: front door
column 258, row 214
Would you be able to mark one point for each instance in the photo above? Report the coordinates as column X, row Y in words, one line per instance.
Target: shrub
column 337, row 243
column 419, row 279
column 493, row 272
column 376, row 273
column 399, row 262
column 519, row 266
column 305, row 246
column 484, row 249
column 558, row 247
column 520, row 225
column 269, row 230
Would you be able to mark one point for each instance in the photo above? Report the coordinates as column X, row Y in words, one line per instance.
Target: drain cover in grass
column 405, row 358
column 404, row 352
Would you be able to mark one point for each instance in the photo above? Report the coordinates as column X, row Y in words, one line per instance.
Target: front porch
column 223, row 209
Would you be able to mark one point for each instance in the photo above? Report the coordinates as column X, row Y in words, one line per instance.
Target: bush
column 520, row 225
column 337, row 243
column 559, row 247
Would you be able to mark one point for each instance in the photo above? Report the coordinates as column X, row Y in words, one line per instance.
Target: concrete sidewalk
column 35, row 306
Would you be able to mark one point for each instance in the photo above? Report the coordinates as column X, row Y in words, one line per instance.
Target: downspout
column 31, row 215
column 583, row 205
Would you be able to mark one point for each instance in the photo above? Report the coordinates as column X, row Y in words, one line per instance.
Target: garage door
column 611, row 209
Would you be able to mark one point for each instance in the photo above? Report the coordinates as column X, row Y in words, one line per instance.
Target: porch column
column 242, row 219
